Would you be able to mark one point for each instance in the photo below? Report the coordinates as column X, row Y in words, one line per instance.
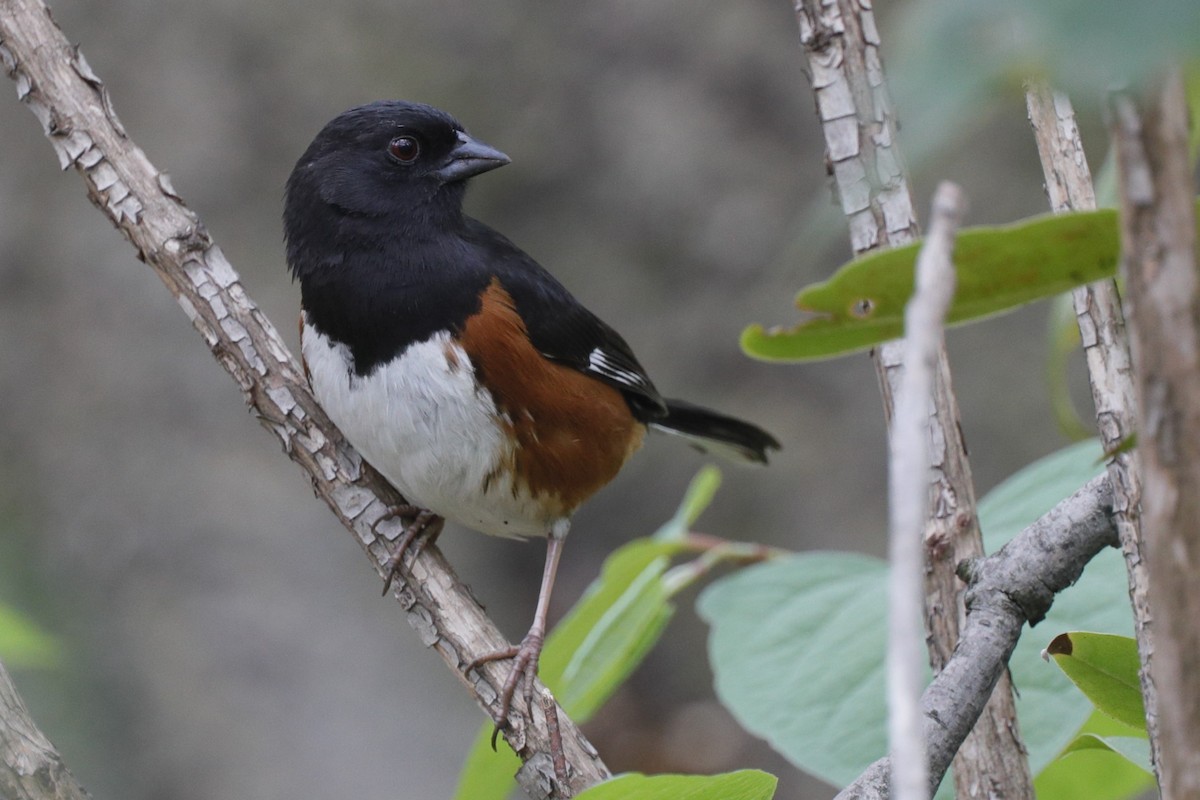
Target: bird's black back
column 386, row 258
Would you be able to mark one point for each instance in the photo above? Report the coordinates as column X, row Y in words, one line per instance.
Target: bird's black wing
column 561, row 328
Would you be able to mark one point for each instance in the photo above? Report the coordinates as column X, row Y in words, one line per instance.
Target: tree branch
column 842, row 46
column 1106, row 349
column 55, row 82
column 1158, row 262
column 1006, row 590
column 30, row 767
column 908, row 483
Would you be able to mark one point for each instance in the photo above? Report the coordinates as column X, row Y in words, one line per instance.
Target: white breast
column 424, row 423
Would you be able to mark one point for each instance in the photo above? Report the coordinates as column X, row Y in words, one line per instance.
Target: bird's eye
column 404, row 149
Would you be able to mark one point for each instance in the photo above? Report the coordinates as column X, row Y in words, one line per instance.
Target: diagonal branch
column 55, row 82
column 30, row 767
column 841, row 43
column 1014, row 586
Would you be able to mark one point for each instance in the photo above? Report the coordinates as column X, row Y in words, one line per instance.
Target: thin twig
column 55, row 82
column 1014, row 586
column 909, row 492
column 842, row 46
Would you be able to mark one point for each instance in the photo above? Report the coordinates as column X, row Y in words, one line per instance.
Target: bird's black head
column 402, row 164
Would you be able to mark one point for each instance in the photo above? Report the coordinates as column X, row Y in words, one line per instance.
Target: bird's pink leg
column 525, row 656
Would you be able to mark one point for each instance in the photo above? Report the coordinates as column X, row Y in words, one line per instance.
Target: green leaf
column 746, row 784
column 601, row 640
column 1133, row 749
column 487, row 774
column 797, row 644
column 1093, row 774
column 612, row 629
column 25, row 645
column 999, row 269
column 1105, row 668
column 588, row 654
column 1029, row 493
column 796, row 649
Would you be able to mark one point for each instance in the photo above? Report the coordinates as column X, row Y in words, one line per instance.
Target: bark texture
column 908, row 505
column 1014, row 586
column 30, row 767
column 1102, row 333
column 1158, row 261
column 842, row 47
column 55, row 82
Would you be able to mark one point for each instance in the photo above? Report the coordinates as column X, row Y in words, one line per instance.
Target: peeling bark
column 30, row 767
column 842, row 46
column 1158, row 262
column 1110, row 371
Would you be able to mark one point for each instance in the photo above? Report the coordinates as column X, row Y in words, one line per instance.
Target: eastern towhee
column 459, row 367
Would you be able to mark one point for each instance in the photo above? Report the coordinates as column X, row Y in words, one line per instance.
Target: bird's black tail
column 716, row 433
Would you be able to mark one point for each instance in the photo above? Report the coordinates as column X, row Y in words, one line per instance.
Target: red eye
column 404, row 149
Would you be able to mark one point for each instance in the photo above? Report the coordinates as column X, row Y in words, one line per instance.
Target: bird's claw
column 424, row 530
column 525, row 666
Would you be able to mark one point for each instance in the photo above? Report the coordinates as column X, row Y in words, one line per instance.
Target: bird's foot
column 525, row 668
column 424, row 529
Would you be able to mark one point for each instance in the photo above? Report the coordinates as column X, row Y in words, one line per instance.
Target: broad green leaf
column 1134, row 749
column 1105, row 668
column 1093, row 774
column 600, row 641
column 797, row 644
column 1032, row 491
column 601, row 649
column 1131, row 748
column 746, row 784
column 796, row 649
column 998, row 268
column 23, row 644
column 487, row 774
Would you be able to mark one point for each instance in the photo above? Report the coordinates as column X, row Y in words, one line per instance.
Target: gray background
column 223, row 637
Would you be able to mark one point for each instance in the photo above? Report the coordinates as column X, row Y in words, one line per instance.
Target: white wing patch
column 601, row 363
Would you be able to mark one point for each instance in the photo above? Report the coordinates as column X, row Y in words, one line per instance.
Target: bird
column 460, row 368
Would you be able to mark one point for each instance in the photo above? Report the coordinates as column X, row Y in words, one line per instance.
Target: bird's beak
column 468, row 158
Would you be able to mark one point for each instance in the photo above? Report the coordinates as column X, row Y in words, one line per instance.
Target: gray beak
column 469, row 158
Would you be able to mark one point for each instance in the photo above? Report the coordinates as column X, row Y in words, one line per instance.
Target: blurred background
column 222, row 636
